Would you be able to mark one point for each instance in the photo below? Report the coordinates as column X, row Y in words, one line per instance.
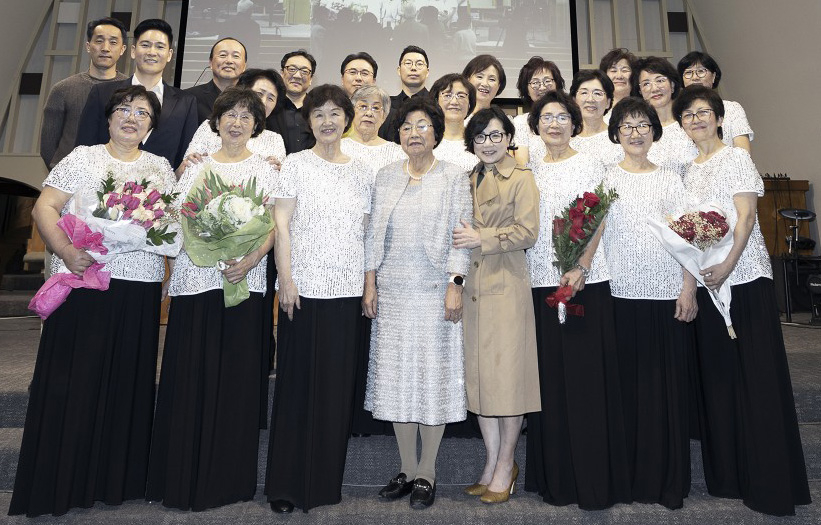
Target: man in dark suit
column 178, row 119
column 227, row 61
column 413, row 72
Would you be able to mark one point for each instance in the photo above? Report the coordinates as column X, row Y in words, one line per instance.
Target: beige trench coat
column 501, row 369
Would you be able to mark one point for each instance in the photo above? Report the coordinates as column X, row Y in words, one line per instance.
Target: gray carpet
column 372, row 461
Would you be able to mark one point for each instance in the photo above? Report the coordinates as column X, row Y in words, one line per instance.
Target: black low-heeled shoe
column 281, row 506
column 423, row 494
column 397, row 487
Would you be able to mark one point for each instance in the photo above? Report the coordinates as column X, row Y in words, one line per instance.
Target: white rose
column 240, row 209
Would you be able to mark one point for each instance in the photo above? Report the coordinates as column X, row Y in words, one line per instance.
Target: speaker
column 799, row 293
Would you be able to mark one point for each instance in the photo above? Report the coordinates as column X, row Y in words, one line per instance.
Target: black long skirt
column 652, row 352
column 88, row 425
column 313, row 401
column 750, row 443
column 576, row 448
column 206, row 428
column 271, row 344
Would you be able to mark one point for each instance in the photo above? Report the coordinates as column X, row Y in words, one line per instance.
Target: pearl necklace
column 414, row 177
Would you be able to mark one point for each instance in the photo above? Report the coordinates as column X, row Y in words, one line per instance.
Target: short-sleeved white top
column 454, row 151
column 599, row 146
column 377, row 157
column 735, row 123
column 266, row 144
column 674, row 150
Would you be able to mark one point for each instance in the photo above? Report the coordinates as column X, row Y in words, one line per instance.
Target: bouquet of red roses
column 572, row 231
column 699, row 239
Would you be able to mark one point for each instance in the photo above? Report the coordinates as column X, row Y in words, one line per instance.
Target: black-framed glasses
column 411, row 63
column 364, row 73
column 139, row 114
column 699, row 72
column 546, row 82
column 494, row 136
column 702, row 114
column 293, row 70
column 642, row 128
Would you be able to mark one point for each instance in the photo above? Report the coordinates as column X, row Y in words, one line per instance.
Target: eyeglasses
column 364, row 73
column 597, row 94
column 421, row 128
column 561, row 119
column 642, row 128
column 419, row 64
column 659, row 82
column 494, row 136
column 364, row 108
column 702, row 114
column 460, row 96
column 700, row 72
column 293, row 70
column 536, row 84
column 244, row 118
column 138, row 114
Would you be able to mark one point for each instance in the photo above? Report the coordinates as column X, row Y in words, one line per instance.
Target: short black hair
column 560, row 97
column 633, row 107
column 446, row 82
column 413, row 49
column 697, row 92
column 211, row 53
column 362, row 55
column 533, row 66
column 480, row 121
column 614, row 56
column 697, row 57
column 320, row 95
column 250, row 76
column 154, row 23
column 299, row 53
column 659, row 66
column 427, row 106
column 242, row 97
column 105, row 21
column 482, row 62
column 128, row 94
column 586, row 75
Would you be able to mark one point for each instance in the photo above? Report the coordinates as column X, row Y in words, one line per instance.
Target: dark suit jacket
column 205, row 94
column 388, row 129
column 170, row 137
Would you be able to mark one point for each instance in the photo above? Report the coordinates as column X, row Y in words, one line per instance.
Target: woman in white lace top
column 322, row 202
column 91, row 403
column 269, row 145
column 206, row 427
column 371, row 107
column 618, row 64
column 654, row 299
column 536, row 78
column 749, row 431
column 697, row 68
column 658, row 83
column 593, row 92
column 457, row 98
column 575, row 446
column 487, row 75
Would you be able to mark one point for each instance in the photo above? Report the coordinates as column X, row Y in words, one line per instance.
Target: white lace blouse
column 735, row 123
column 327, row 233
column 526, row 138
column 83, row 170
column 674, row 150
column 599, row 146
column 559, row 183
column 454, row 151
column 266, row 144
column 640, row 267
column 187, row 278
column 716, row 181
column 377, row 157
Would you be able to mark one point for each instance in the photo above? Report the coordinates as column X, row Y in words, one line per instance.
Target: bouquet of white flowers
column 222, row 222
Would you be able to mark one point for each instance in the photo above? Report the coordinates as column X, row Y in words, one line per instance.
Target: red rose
column 591, row 199
column 576, row 234
column 558, row 225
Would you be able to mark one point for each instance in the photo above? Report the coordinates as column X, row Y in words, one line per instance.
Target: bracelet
column 585, row 271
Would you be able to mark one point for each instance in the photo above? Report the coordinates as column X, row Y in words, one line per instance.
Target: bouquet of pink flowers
column 699, row 239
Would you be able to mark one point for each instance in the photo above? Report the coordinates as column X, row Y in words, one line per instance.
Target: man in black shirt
column 227, row 61
column 413, row 72
column 298, row 68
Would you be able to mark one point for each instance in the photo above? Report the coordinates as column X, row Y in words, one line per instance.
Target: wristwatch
column 458, row 280
column 585, row 271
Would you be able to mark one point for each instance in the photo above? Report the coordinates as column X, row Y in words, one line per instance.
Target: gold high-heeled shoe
column 477, row 489
column 500, row 497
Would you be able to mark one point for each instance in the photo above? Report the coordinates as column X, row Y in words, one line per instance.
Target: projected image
column 451, row 32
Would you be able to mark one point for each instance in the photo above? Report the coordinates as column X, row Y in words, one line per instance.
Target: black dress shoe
column 281, row 506
column 423, row 494
column 397, row 487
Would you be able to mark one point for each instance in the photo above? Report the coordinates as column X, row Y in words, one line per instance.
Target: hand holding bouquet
column 697, row 240
column 572, row 231
column 222, row 222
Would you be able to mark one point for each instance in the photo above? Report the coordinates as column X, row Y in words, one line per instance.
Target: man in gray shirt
column 105, row 44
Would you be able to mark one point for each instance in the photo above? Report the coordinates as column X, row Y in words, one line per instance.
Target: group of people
column 413, row 259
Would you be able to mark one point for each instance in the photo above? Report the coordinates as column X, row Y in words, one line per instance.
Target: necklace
column 418, row 178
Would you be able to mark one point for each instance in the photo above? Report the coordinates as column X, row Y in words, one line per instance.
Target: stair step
column 15, row 303
column 23, row 281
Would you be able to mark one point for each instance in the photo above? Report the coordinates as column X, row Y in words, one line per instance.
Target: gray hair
column 370, row 90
